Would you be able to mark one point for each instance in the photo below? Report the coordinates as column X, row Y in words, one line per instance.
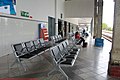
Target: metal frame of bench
column 71, row 46
column 62, row 57
column 57, row 60
column 45, row 44
column 66, row 55
column 57, row 38
column 21, row 53
column 27, row 50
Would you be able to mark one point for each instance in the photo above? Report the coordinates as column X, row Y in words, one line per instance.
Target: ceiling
column 79, row 8
column 84, row 20
column 82, row 10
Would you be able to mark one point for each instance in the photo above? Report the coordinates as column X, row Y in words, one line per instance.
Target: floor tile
column 91, row 64
column 85, row 70
column 90, row 78
column 100, row 78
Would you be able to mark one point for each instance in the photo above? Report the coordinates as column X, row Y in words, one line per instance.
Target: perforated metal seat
column 38, row 46
column 21, row 53
column 71, row 48
column 59, row 60
column 64, row 53
column 30, row 48
column 45, row 44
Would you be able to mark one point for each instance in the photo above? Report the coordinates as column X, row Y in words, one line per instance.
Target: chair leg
column 63, row 72
column 13, row 63
column 51, row 71
column 26, row 66
column 58, row 68
column 19, row 61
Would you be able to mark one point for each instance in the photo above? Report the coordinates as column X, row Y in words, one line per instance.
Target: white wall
column 15, row 30
column 41, row 9
column 79, row 8
column 60, row 8
column 38, row 9
column 59, row 11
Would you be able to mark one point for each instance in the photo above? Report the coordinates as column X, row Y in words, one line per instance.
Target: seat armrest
column 29, row 49
column 23, row 50
column 22, row 53
column 63, row 59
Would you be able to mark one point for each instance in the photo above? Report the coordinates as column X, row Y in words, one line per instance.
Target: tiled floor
column 91, row 64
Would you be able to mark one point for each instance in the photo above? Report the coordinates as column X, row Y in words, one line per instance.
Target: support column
column 95, row 19
column 98, row 11
column 99, row 24
column 56, row 19
column 114, row 63
column 91, row 29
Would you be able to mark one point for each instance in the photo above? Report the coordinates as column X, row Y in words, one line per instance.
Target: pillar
column 91, row 28
column 95, row 19
column 98, row 12
column 99, row 19
column 114, row 63
column 56, row 19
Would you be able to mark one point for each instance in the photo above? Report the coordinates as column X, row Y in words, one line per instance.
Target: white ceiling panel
column 84, row 20
column 79, row 8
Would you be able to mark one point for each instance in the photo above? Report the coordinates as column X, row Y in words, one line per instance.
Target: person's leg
column 82, row 40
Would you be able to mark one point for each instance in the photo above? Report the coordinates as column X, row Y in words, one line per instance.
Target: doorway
column 69, row 27
column 65, row 29
column 51, row 26
column 60, row 27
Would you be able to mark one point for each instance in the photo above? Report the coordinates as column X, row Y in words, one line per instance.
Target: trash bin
column 99, row 42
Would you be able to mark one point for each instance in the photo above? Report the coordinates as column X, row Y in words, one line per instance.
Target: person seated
column 79, row 39
column 84, row 33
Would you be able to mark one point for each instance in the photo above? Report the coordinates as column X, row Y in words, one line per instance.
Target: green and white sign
column 24, row 14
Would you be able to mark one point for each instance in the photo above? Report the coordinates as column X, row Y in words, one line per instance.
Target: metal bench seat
column 63, row 57
column 59, row 60
column 60, row 41
column 30, row 48
column 71, row 48
column 64, row 53
column 57, row 38
column 38, row 46
column 21, row 52
column 45, row 44
column 26, row 56
column 67, row 62
column 71, row 51
column 57, row 55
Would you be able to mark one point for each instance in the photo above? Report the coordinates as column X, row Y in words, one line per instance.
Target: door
column 65, row 28
column 69, row 28
column 51, row 26
column 60, row 30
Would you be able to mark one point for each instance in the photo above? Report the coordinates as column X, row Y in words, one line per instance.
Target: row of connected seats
column 29, row 49
column 57, row 38
column 63, row 55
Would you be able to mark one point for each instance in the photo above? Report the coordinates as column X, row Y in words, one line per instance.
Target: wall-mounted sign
column 24, row 14
column 8, row 6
